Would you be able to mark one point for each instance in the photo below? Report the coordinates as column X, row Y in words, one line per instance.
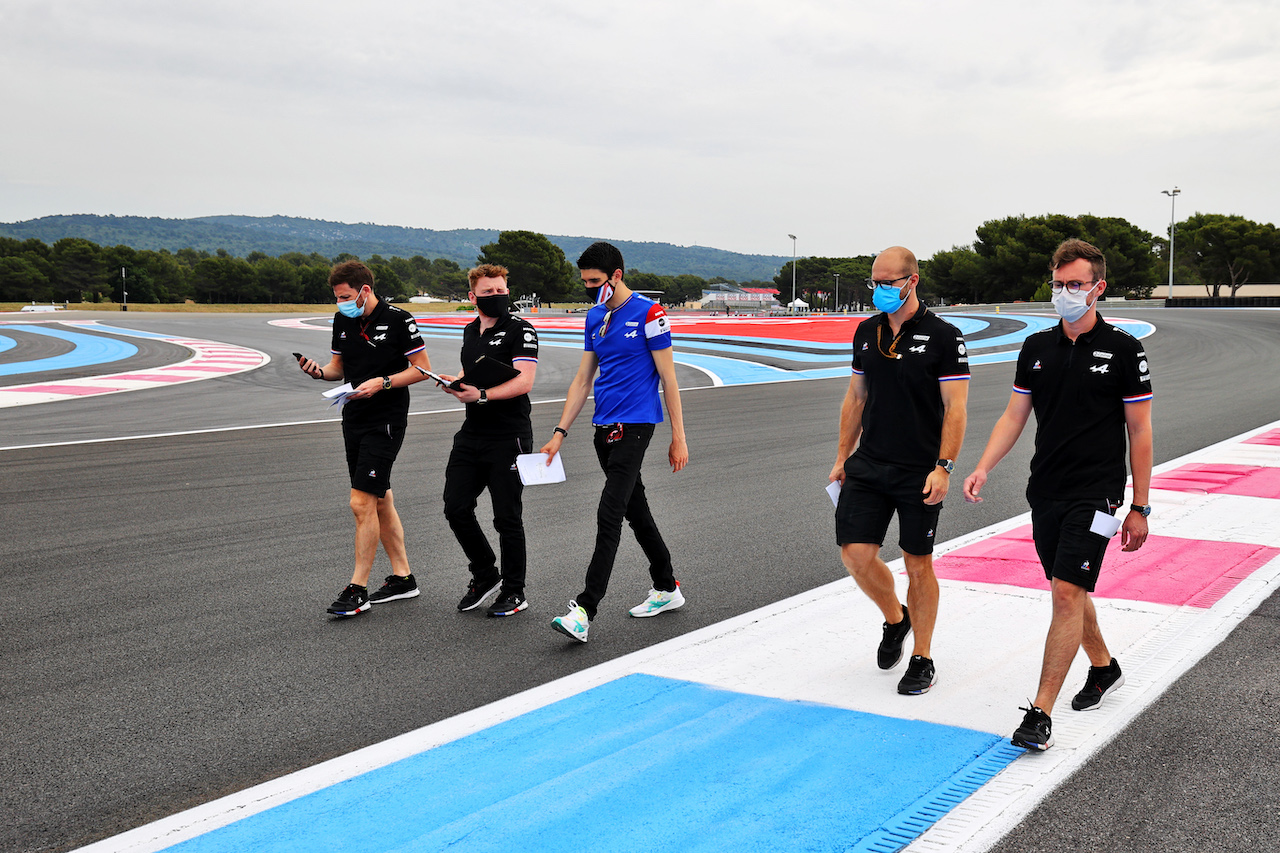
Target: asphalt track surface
column 165, row 643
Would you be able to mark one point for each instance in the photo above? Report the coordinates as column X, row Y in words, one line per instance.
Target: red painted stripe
column 1165, row 570
column 1255, row 481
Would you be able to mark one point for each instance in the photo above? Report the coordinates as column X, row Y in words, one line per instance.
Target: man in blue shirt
column 628, row 339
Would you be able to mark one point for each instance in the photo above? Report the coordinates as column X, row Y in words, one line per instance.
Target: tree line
column 1008, row 261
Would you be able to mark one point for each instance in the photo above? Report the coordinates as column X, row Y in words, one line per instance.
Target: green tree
column 22, row 281
column 536, row 264
column 78, row 271
column 1227, row 251
column 225, row 280
column 278, row 279
column 389, row 285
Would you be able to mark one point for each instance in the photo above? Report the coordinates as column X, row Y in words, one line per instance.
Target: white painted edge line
column 981, row 819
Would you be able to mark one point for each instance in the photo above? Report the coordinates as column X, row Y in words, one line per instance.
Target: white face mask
column 1072, row 306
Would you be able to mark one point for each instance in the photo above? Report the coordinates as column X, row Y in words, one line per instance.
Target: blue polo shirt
column 626, row 391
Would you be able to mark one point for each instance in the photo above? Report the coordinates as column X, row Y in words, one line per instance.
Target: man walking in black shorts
column 376, row 347
column 1089, row 384
column 904, row 411
column 497, row 428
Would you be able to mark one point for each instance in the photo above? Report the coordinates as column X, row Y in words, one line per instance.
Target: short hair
column 905, row 258
column 602, row 256
column 1076, row 249
column 353, row 273
column 485, row 271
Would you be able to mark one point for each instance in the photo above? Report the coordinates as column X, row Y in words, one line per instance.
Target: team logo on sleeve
column 413, row 327
column 960, row 348
column 1142, row 366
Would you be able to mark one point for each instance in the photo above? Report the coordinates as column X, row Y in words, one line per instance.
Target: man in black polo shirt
column 1090, row 386
column 376, row 347
column 905, row 413
column 497, row 428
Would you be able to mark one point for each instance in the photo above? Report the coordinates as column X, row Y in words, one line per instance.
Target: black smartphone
column 298, row 356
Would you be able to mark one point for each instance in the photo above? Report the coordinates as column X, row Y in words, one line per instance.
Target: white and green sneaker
column 659, row 602
column 574, row 623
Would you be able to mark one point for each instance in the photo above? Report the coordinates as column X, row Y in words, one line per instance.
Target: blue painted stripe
column 89, row 349
column 644, row 763
column 7, row 343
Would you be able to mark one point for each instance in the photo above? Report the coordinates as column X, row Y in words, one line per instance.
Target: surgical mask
column 1072, row 306
column 888, row 299
column 351, row 308
column 494, row 305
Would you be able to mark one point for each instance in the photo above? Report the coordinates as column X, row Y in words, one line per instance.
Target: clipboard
column 488, row 373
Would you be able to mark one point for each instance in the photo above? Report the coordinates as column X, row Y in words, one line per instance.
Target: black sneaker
column 1036, row 731
column 508, row 604
column 396, row 588
column 919, row 678
column 890, row 651
column 1101, row 683
column 354, row 599
column 477, row 592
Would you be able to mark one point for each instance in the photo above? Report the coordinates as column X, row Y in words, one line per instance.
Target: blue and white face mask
column 351, row 308
column 888, row 299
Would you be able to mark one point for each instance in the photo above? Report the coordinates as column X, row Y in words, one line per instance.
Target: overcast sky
column 853, row 125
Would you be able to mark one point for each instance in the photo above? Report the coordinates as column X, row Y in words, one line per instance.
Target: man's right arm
column 579, row 390
column 331, row 371
column 1003, row 437
column 855, row 398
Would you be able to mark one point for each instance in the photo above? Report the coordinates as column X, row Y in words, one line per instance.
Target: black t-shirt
column 902, row 418
column 1079, row 391
column 377, row 345
column 509, row 340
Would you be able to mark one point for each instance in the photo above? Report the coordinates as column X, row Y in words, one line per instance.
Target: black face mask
column 494, row 306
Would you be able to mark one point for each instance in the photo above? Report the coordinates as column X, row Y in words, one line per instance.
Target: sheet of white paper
column 534, row 470
column 1104, row 525
column 338, row 396
column 833, row 489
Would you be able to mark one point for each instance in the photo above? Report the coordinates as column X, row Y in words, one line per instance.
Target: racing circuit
column 181, row 522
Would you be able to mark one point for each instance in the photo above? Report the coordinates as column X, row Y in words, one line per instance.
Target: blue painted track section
column 645, row 763
column 89, row 350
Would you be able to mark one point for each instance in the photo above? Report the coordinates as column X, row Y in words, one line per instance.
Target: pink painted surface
column 1271, row 437
column 1165, row 570
column 69, row 390
column 155, row 377
column 1255, row 481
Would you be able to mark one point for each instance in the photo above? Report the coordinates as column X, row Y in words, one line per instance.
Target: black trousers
column 623, row 497
column 475, row 464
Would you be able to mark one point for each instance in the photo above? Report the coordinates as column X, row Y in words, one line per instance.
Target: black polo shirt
column 1078, row 391
column 902, row 418
column 377, row 345
column 509, row 340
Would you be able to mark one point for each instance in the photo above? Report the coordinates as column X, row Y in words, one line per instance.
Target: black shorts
column 1068, row 550
column 870, row 495
column 371, row 451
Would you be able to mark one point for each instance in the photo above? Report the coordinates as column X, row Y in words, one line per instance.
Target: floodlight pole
column 1173, row 203
column 792, row 306
column 837, row 275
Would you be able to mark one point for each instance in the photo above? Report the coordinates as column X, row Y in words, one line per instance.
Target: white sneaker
column 659, row 602
column 574, row 623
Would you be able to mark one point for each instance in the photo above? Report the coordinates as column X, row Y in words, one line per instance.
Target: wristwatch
column 1144, row 511
column 484, row 398
column 386, row 383
column 947, row 465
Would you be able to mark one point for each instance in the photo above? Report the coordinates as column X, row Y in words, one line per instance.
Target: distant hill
column 276, row 235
